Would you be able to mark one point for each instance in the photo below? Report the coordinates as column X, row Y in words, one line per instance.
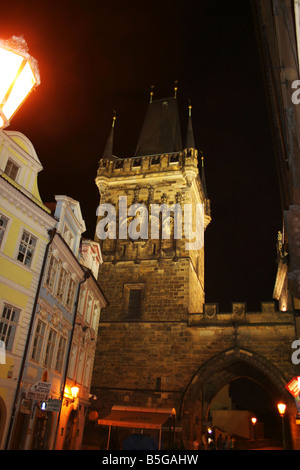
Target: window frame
column 14, row 165
column 27, row 245
column 8, row 336
column 38, row 340
column 3, row 229
column 51, row 273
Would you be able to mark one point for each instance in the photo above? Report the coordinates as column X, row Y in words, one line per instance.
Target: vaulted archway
column 222, row 369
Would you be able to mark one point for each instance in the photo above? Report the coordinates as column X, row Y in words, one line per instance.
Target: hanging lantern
column 19, row 74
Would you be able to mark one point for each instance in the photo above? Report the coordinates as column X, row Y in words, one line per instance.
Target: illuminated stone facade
column 160, row 344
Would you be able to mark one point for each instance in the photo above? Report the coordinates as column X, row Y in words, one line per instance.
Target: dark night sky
column 97, row 56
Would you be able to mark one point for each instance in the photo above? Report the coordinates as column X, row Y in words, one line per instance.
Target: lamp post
column 281, row 408
column 19, row 74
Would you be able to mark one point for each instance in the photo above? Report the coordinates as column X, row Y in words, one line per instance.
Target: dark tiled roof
column 161, row 129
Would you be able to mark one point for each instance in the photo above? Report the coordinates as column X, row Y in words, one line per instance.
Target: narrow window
column 70, row 294
column 60, row 353
column 50, row 348
column 61, row 284
column 11, row 169
column 38, row 341
column 51, row 272
column 8, row 324
column 3, row 225
column 134, row 307
column 26, row 248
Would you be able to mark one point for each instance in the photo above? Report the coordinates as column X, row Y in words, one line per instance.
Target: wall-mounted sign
column 39, row 391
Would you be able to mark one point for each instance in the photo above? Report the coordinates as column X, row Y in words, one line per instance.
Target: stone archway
column 221, row 370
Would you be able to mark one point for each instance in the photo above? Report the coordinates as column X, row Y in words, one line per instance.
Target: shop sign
column 25, row 406
column 292, row 387
column 39, row 391
column 51, row 405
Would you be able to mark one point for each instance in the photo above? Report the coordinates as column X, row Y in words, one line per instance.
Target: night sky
column 100, row 56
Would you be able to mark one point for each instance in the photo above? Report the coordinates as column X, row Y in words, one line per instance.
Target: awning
column 136, row 417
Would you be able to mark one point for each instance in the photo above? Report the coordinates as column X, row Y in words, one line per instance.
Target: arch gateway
column 159, row 344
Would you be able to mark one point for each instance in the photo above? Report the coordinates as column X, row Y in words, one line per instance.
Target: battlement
column 268, row 314
column 149, row 163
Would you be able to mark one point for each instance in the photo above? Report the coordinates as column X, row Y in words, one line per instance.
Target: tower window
column 134, row 307
column 133, row 298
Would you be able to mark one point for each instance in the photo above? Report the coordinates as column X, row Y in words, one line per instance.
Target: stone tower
column 152, row 270
column 160, row 346
column 154, row 283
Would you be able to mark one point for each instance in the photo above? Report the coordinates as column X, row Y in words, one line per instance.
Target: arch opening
column 250, row 385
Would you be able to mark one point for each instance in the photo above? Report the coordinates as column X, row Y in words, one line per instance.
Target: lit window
column 38, row 341
column 50, row 348
column 26, row 248
column 11, row 169
column 51, row 273
column 8, row 324
column 3, row 225
column 60, row 354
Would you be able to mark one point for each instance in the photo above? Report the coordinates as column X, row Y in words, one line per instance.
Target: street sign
column 52, row 405
column 39, row 391
column 292, row 387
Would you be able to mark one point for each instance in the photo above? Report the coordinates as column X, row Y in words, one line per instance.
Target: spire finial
column 151, row 93
column 190, row 108
column 114, row 118
column 175, row 88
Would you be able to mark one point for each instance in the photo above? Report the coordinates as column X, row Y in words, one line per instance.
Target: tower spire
column 190, row 142
column 203, row 180
column 108, row 151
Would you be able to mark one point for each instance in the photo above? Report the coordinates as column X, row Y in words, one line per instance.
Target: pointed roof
column 161, row 129
column 108, row 151
column 190, row 142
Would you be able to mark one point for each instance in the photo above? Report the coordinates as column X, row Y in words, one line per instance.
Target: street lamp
column 19, row 74
column 281, row 408
column 74, row 391
column 253, row 420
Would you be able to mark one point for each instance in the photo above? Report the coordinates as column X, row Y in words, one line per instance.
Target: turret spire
column 190, row 142
column 108, row 151
column 203, row 180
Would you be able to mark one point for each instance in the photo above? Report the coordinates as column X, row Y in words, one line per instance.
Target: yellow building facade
column 24, row 225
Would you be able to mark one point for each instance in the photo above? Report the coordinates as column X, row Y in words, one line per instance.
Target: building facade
column 24, row 225
column 162, row 346
column 54, row 384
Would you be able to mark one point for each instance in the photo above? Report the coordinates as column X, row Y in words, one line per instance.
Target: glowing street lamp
column 19, row 74
column 74, row 391
column 253, row 420
column 281, row 408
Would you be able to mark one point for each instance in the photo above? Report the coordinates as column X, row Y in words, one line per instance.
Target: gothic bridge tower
column 159, row 344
